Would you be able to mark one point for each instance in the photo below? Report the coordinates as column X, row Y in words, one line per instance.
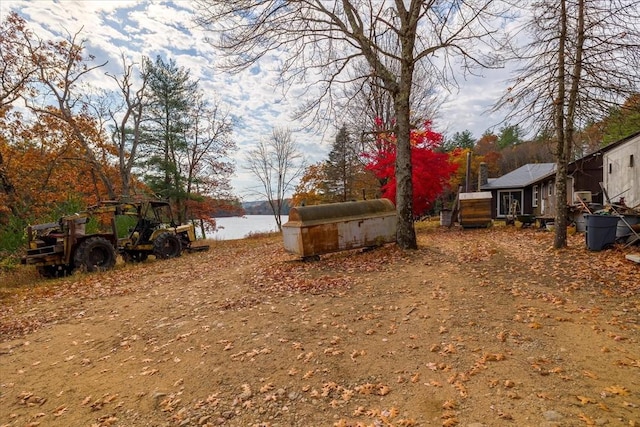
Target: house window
column 631, row 161
column 534, row 199
column 550, row 186
column 610, row 167
column 507, row 198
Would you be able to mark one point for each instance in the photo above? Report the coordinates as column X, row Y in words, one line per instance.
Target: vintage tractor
column 58, row 248
column 156, row 233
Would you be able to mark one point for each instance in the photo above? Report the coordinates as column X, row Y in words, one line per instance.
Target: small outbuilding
column 475, row 209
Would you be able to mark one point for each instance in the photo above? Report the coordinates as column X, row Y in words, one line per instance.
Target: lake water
column 235, row 227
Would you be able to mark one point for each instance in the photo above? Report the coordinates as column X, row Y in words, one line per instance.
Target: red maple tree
column 431, row 170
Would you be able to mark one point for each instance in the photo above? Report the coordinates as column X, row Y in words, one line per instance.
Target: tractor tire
column 167, row 245
column 54, row 271
column 134, row 256
column 95, row 254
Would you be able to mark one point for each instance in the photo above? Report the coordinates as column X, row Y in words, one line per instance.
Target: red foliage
column 431, row 170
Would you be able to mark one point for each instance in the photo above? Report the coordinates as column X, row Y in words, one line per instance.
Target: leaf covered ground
column 475, row 328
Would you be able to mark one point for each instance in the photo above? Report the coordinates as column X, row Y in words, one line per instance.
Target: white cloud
column 166, row 28
column 469, row 107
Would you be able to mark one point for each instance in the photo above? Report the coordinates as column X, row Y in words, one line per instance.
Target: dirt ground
column 475, row 328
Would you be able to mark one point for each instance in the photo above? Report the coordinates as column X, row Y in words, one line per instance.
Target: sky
column 158, row 27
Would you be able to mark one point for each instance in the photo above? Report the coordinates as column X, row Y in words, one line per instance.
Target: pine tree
column 464, row 140
column 171, row 99
column 342, row 167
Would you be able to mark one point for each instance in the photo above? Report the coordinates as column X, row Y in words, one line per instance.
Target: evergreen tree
column 464, row 140
column 167, row 116
column 342, row 167
column 510, row 135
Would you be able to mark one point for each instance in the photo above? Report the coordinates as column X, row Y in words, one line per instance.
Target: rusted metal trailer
column 320, row 229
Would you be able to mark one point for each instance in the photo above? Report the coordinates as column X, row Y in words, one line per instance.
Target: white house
column 621, row 170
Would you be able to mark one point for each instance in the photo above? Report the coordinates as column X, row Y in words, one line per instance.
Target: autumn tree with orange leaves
column 64, row 151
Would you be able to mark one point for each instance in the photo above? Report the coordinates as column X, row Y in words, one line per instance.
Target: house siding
column 617, row 166
column 621, row 172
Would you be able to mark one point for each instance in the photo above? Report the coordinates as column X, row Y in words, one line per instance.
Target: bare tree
column 326, row 39
column 583, row 59
column 209, row 145
column 277, row 163
column 126, row 120
column 61, row 72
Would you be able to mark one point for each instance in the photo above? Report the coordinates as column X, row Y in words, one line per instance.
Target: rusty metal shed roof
column 330, row 211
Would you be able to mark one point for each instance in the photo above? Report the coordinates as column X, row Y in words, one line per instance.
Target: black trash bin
column 601, row 231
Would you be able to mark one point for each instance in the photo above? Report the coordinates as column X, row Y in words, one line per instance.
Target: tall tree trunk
column 566, row 124
column 561, row 162
column 406, row 234
column 7, row 188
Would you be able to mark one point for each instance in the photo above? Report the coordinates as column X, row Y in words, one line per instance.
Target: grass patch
column 16, row 278
column 427, row 225
column 261, row 235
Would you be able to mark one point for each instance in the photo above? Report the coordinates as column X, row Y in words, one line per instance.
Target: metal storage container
column 320, row 229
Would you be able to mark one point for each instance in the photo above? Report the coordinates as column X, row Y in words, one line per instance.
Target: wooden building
column 530, row 189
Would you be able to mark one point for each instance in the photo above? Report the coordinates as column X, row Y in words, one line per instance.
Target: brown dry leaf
column 373, row 413
column 347, row 395
column 449, row 405
column 59, row 411
column 359, row 411
column 584, row 400
column 266, row 388
column 461, row 388
column 393, row 412
column 383, row 390
column 492, row 357
column 450, row 349
column 450, row 422
column 616, row 389
column 587, row 420
column 365, row 388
